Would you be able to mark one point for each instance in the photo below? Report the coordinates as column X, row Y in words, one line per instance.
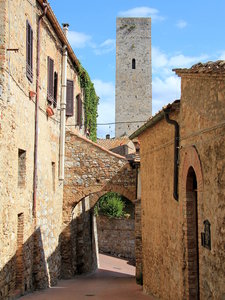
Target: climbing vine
column 91, row 101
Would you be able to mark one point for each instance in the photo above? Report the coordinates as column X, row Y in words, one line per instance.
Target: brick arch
column 192, row 184
column 90, row 170
column 191, row 159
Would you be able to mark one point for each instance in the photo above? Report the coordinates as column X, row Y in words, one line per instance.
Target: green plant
column 91, row 101
column 110, row 205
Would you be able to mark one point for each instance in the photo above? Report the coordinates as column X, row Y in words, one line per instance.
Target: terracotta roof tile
column 217, row 67
column 113, row 143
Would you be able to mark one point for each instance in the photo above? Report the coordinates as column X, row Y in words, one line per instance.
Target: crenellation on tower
column 133, row 74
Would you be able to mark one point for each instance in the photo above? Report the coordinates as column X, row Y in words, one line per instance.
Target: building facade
column 40, row 95
column 133, row 74
column 182, row 189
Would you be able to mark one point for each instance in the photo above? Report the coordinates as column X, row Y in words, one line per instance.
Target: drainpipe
column 37, row 111
column 176, row 153
column 63, row 109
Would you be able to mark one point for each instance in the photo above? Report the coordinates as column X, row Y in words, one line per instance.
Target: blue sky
column 183, row 33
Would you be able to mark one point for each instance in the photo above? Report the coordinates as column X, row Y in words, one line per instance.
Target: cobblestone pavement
column 113, row 281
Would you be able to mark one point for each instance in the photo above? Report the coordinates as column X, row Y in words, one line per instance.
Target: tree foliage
column 111, row 205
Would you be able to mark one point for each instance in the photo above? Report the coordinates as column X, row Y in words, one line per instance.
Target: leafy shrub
column 110, row 205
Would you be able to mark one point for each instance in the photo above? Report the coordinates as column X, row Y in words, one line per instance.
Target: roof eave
column 52, row 18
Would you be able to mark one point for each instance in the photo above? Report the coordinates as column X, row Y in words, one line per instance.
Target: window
column 133, row 64
column 21, row 168
column 79, row 111
column 69, row 98
column 50, row 87
column 55, row 89
column 53, row 176
column 29, row 52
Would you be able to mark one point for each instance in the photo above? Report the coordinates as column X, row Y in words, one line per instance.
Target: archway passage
column 116, row 226
column 192, row 234
column 90, row 172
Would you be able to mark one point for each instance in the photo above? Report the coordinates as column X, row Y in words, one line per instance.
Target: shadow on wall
column 30, row 270
column 26, row 270
column 79, row 248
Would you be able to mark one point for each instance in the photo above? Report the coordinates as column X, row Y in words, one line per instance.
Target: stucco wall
column 166, row 254
column 161, row 236
column 202, row 127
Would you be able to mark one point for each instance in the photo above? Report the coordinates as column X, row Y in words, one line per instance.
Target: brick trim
column 191, row 160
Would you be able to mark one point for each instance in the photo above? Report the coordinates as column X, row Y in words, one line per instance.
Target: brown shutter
column 55, row 89
column 69, row 98
column 29, row 52
column 50, row 92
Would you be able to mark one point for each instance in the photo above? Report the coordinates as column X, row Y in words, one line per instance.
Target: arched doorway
column 192, row 234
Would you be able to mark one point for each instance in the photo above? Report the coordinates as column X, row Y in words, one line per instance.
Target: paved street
column 113, row 281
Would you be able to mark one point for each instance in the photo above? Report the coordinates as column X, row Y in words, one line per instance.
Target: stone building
column 133, row 74
column 183, row 189
column 39, row 95
column 122, row 145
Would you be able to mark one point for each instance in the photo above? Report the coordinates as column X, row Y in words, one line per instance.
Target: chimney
column 65, row 28
column 107, row 136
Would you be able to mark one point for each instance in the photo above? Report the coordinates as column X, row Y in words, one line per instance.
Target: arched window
column 133, row 63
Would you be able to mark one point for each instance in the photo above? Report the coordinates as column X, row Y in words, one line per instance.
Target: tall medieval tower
column 133, row 74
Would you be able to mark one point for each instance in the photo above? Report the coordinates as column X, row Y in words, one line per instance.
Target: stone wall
column 36, row 244
column 116, row 236
column 168, row 227
column 133, row 85
column 90, row 171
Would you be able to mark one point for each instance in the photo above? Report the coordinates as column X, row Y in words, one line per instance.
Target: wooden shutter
column 29, row 51
column 50, row 91
column 55, row 89
column 69, row 98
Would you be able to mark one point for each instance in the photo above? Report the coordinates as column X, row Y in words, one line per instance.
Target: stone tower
column 133, row 74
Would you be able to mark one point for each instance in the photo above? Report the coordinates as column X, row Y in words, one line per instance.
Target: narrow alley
column 114, row 280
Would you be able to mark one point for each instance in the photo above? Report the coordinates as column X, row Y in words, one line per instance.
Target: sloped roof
column 113, row 143
column 156, row 118
column 58, row 29
column 210, row 67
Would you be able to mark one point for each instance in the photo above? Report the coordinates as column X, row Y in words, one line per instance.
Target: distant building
column 133, row 74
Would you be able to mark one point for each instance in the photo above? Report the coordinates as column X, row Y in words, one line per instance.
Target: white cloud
column 142, row 11
column 181, row 24
column 164, row 91
column 186, row 61
column 165, row 84
column 163, row 62
column 79, row 39
column 105, row 47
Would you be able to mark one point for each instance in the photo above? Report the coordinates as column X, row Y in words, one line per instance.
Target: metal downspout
column 176, row 153
column 36, row 113
column 63, row 110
